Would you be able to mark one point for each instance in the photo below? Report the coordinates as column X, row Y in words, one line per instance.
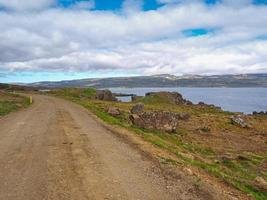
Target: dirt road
column 56, row 150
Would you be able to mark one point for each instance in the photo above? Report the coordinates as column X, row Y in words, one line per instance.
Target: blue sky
column 71, row 39
column 113, row 4
column 148, row 4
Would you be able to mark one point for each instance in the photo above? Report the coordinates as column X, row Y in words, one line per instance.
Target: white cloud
column 144, row 42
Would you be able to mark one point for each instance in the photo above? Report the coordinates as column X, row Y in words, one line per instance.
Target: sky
column 49, row 40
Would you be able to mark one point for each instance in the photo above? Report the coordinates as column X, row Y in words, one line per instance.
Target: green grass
column 12, row 103
column 6, row 107
column 75, row 93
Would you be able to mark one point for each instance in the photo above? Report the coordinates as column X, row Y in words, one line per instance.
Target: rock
column 113, row 111
column 254, row 113
column 259, row 113
column 209, row 105
column 239, row 121
column 158, row 120
column 205, row 129
column 187, row 102
column 188, row 171
column 242, row 158
column 218, row 107
column 136, row 120
column 105, row 95
column 184, row 116
column 173, row 97
column 138, row 108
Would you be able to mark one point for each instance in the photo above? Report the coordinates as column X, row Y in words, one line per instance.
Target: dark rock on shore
column 259, row 113
column 201, row 103
column 105, row 95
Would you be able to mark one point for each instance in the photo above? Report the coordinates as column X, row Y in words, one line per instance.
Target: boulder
column 173, row 97
column 138, row 108
column 113, row 111
column 105, row 95
column 201, row 103
column 239, row 121
column 158, row 120
column 136, row 120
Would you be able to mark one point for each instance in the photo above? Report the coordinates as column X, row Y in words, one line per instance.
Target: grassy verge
column 191, row 143
column 12, row 102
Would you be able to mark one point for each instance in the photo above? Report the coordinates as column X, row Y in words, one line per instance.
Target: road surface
column 56, row 150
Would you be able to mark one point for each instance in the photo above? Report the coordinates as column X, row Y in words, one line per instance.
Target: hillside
column 11, row 87
column 200, row 139
column 165, row 80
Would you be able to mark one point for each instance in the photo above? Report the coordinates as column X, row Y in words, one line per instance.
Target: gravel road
column 56, row 150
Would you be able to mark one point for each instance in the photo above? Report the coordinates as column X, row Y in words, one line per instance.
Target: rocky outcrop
column 201, row 103
column 114, row 111
column 259, row 113
column 138, row 108
column 239, row 121
column 173, row 97
column 156, row 120
column 161, row 121
column 105, row 95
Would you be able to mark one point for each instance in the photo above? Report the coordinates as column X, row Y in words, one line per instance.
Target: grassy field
column 208, row 141
column 11, row 102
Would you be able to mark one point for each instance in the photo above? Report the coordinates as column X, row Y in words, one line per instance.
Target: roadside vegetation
column 208, row 141
column 10, row 102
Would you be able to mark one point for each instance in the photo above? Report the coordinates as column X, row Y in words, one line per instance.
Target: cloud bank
column 44, row 37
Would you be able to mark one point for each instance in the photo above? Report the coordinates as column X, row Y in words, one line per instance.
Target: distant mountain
column 164, row 80
column 11, row 87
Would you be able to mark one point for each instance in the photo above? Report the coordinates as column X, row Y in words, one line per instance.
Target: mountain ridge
column 162, row 80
